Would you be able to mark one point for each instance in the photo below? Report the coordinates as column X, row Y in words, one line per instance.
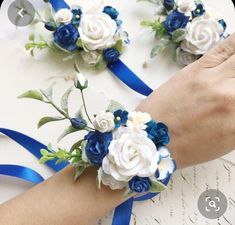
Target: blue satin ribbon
column 21, row 172
column 121, row 71
column 58, row 4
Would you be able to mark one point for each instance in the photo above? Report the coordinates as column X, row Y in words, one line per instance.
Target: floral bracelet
column 128, row 149
column 94, row 34
column 188, row 27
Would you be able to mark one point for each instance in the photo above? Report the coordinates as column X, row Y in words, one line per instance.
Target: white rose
column 97, row 30
column 184, row 58
column 108, row 180
column 186, row 6
column 138, row 120
column 63, row 16
column 104, row 122
column 90, row 57
column 203, row 34
column 131, row 153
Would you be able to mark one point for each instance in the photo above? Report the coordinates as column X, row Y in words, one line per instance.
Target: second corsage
column 94, row 33
column 188, row 27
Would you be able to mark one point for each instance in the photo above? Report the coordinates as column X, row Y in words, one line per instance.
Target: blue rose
column 140, row 184
column 199, row 11
column 223, row 24
column 169, row 4
column 97, row 146
column 158, row 133
column 76, row 16
column 112, row 12
column 111, row 55
column 78, row 123
column 66, row 37
column 121, row 117
column 175, row 21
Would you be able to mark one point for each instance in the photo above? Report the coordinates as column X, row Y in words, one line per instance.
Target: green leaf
column 79, row 113
column 79, row 171
column 32, row 52
column 119, row 46
column 48, row 119
column 32, row 94
column 28, row 46
column 66, row 132
column 77, row 145
column 114, row 106
column 44, row 152
column 49, row 91
column 128, row 193
column 32, row 37
column 160, row 47
column 178, row 35
column 64, row 100
column 157, row 186
column 79, row 43
column 98, row 178
column 101, row 64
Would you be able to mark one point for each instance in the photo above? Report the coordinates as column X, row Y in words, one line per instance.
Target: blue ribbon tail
column 59, row 4
column 121, row 71
column 33, row 146
column 122, row 213
column 21, row 172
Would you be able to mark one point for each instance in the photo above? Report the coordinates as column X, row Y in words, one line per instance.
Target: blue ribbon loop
column 21, row 172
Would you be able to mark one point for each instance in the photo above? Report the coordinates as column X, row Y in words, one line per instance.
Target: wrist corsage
column 188, row 27
column 129, row 149
column 91, row 35
column 95, row 34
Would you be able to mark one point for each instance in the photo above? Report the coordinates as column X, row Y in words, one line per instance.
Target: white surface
column 20, row 72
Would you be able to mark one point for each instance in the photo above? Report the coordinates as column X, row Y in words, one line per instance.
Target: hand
column 198, row 105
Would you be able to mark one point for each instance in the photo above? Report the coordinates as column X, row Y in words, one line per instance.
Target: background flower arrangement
column 127, row 148
column 187, row 26
column 96, row 34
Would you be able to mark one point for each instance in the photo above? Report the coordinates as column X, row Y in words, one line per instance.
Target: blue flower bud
column 140, row 184
column 112, row 12
column 50, row 26
column 199, row 11
column 169, row 4
column 111, row 55
column 76, row 16
column 223, row 24
column 78, row 123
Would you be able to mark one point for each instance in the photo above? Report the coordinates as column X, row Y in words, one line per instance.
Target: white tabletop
column 20, row 72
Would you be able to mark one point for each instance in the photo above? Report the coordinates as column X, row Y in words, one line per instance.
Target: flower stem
column 85, row 108
column 55, row 106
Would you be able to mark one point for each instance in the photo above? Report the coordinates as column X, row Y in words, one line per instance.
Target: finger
column 219, row 54
column 227, row 68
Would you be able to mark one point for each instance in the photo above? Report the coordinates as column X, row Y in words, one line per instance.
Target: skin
column 198, row 105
